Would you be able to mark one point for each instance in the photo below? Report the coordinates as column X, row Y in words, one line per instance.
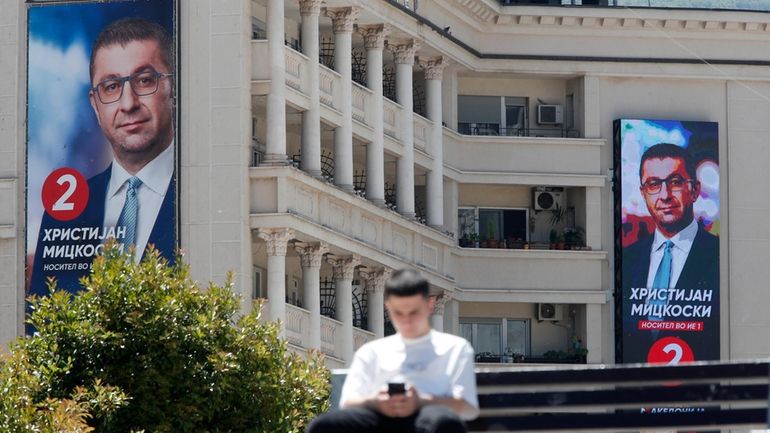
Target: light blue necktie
column 130, row 213
column 662, row 277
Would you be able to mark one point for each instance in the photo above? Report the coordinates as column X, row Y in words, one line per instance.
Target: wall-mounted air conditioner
column 551, row 312
column 549, row 197
column 550, row 114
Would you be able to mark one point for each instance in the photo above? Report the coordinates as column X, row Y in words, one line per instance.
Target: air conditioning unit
column 550, row 114
column 549, row 197
column 550, row 312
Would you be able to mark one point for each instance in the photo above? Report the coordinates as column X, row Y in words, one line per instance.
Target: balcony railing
column 297, row 325
column 494, row 129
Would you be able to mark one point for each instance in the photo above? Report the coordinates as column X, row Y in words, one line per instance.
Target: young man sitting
column 418, row 380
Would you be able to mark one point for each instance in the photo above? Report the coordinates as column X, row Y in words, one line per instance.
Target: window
column 257, row 286
column 258, row 29
column 494, row 223
column 496, row 340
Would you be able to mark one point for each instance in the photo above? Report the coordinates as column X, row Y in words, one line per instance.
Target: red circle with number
column 671, row 351
column 65, row 194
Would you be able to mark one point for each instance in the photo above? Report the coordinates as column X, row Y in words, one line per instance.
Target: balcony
column 531, row 271
column 330, row 82
column 285, row 196
column 296, row 332
column 522, row 154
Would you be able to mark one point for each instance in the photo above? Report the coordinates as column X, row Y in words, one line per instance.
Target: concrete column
column 311, row 118
column 311, row 255
column 434, row 69
column 342, row 24
column 404, row 51
column 374, row 41
column 454, row 316
column 437, row 319
column 451, row 203
column 277, row 241
column 593, row 339
column 449, row 85
column 593, row 217
column 276, row 99
column 344, row 269
column 592, row 126
column 375, row 289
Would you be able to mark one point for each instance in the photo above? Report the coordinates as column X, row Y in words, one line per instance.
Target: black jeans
column 428, row 419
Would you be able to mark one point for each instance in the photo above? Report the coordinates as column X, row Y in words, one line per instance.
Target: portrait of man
column 670, row 267
column 131, row 94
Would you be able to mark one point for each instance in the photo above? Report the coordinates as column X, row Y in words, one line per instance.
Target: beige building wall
column 680, row 99
column 215, row 128
column 12, row 179
column 748, row 249
column 220, row 194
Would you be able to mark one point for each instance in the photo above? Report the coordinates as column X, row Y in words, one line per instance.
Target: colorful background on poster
column 62, row 129
column 633, row 222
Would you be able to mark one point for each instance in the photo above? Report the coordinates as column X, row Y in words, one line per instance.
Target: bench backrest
column 706, row 395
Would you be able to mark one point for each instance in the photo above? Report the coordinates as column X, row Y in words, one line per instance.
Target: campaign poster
column 667, row 223
column 101, row 152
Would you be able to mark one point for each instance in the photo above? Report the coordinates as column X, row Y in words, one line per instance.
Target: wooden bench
column 599, row 398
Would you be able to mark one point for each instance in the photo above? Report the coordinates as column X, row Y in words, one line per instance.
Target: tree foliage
column 155, row 352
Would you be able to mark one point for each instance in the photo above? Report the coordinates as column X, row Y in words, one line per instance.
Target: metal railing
column 494, row 129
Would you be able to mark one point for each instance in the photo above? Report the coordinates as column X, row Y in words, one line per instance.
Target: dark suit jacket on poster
column 163, row 236
column 700, row 271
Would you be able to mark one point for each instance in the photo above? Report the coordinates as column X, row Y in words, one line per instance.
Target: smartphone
column 396, row 388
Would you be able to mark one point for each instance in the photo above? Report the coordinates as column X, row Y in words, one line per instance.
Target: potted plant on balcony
column 474, row 239
column 491, row 235
column 552, row 238
column 573, row 237
column 560, row 242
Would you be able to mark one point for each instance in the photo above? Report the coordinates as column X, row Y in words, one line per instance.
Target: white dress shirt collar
column 155, row 175
column 682, row 240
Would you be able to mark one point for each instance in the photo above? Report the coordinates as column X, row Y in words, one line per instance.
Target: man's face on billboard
column 139, row 128
column 669, row 193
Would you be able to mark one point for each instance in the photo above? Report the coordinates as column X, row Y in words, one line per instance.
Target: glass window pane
column 489, row 338
column 515, row 224
column 466, row 221
column 490, row 223
column 517, row 336
column 466, row 331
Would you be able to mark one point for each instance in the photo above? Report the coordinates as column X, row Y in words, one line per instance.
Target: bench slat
column 556, row 423
column 688, row 395
column 631, row 373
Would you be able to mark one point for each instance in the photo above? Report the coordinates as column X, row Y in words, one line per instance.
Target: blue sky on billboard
column 638, row 136
column 62, row 130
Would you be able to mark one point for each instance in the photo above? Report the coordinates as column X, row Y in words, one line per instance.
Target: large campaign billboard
column 101, row 152
column 667, row 222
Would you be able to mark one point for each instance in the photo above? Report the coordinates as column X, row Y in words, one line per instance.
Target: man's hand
column 398, row 405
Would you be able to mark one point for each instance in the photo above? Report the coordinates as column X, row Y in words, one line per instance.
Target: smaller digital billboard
column 667, row 224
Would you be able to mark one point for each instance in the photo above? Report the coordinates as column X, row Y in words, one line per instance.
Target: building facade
column 326, row 143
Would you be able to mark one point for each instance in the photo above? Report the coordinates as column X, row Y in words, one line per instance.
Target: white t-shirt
column 437, row 364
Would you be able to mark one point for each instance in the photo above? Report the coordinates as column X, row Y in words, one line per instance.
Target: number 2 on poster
column 670, row 351
column 65, row 194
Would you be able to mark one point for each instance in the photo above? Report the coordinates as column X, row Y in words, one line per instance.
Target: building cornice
column 721, row 24
column 487, row 12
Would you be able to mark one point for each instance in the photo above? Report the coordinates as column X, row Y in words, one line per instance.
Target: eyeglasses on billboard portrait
column 142, row 84
column 675, row 183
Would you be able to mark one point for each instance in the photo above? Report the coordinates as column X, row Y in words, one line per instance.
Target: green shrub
column 24, row 407
column 179, row 353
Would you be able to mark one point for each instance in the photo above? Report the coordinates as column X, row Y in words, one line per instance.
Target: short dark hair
column 126, row 30
column 406, row 282
column 668, row 150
